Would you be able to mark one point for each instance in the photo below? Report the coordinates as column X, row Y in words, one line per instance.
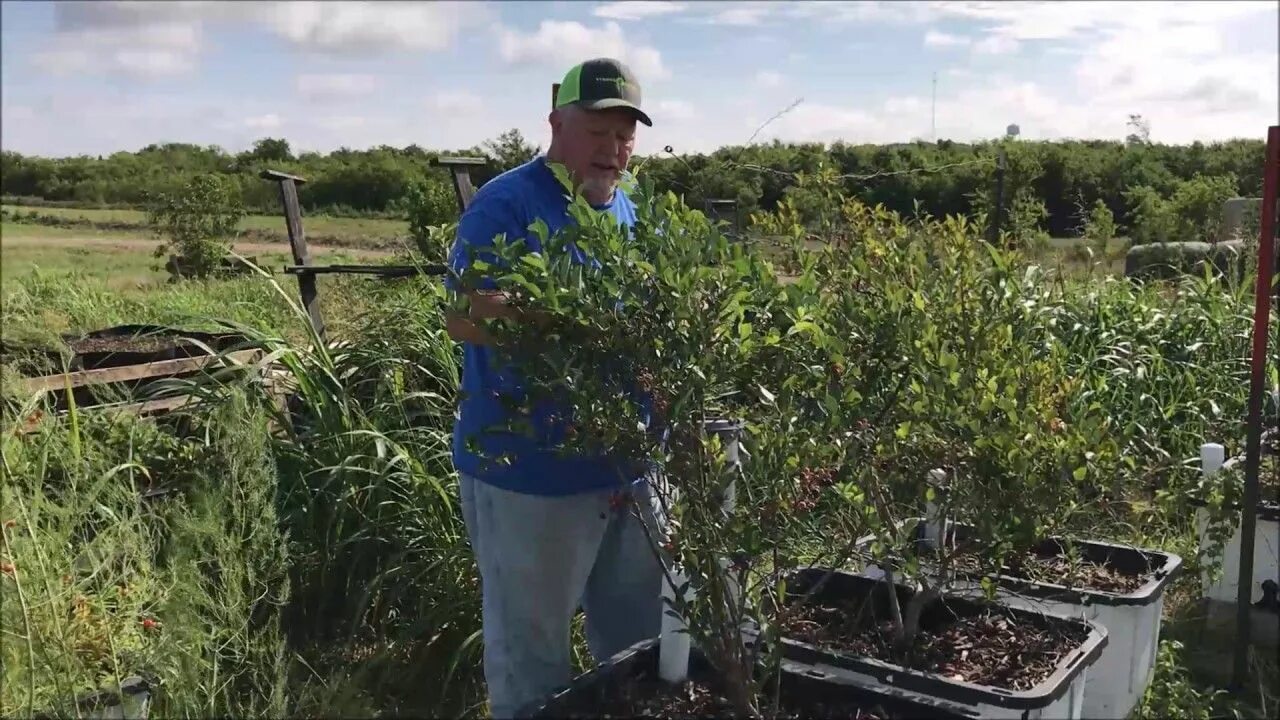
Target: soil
column 647, row 695
column 1060, row 570
column 990, row 647
column 132, row 344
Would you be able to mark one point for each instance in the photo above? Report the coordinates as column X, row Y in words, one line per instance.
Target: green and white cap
column 600, row 84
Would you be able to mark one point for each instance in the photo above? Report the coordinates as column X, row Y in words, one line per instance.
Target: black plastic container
column 806, row 687
column 170, row 344
column 847, row 586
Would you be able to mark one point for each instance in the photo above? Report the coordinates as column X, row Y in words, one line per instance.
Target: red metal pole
column 1257, row 386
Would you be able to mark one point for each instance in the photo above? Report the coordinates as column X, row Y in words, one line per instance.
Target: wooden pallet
column 48, row 384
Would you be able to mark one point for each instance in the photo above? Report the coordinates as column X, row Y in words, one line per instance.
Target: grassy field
column 351, row 232
column 70, row 280
column 124, row 258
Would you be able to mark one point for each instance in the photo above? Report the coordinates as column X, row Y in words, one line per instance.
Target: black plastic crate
column 807, row 688
column 872, row 595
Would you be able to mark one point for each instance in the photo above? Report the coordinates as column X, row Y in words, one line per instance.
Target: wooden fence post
column 460, row 169
column 298, row 244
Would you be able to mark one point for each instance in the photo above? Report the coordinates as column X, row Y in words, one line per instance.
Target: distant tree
column 430, row 206
column 272, row 150
column 510, row 149
column 1139, row 131
column 197, row 221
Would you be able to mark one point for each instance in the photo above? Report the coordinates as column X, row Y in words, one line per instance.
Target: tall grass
column 185, row 588
column 385, row 610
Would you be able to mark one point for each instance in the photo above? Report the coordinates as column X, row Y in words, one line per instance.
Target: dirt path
column 136, row 244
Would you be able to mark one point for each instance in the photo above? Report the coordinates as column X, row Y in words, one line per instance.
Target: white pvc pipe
column 1212, row 457
column 935, row 525
column 673, row 645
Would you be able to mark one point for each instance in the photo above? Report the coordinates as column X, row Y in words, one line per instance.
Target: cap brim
column 610, row 103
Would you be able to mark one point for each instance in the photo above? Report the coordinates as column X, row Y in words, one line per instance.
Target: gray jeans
column 540, row 558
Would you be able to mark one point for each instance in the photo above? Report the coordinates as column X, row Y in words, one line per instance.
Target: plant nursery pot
column 1129, row 607
column 131, row 702
column 1070, row 647
column 628, row 685
column 1219, row 590
column 124, row 345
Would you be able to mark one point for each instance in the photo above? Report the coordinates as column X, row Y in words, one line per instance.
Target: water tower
column 1012, row 131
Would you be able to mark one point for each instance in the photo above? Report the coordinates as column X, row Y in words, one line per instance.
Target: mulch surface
column 990, row 648
column 1083, row 574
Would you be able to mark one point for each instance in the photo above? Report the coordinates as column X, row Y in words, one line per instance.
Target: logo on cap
column 620, row 83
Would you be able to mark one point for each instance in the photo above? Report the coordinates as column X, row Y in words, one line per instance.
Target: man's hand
column 486, row 305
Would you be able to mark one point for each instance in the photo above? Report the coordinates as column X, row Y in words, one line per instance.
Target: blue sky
column 107, row 76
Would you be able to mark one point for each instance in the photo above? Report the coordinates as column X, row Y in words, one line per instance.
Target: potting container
column 135, row 344
column 1220, row 589
column 1117, row 681
column 132, row 701
column 1060, row 696
column 808, row 687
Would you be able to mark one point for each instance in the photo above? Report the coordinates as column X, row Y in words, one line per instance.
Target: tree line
column 1049, row 186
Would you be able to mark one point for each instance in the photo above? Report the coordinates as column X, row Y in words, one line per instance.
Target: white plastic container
column 1117, row 681
column 1220, row 589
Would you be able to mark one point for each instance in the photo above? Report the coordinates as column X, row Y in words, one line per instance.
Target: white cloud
column 769, row 79
column 934, row 38
column 745, row 15
column 341, row 123
column 675, row 111
column 997, row 45
column 335, row 86
column 270, row 121
column 150, row 39
column 637, row 9
column 753, row 13
column 152, row 50
column 563, row 43
column 456, row 101
column 370, row 27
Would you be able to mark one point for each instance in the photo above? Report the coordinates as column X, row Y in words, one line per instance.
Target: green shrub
column 196, row 221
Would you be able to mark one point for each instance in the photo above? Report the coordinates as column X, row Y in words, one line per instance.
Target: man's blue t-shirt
column 509, row 204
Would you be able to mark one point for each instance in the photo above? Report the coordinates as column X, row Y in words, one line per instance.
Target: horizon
column 89, row 79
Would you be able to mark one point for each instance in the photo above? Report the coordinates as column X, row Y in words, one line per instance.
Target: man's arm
column 485, row 305
column 477, row 229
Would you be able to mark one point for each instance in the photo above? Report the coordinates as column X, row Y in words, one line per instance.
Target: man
column 546, row 530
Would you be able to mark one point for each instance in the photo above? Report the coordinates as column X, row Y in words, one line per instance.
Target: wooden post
column 460, row 168
column 298, row 244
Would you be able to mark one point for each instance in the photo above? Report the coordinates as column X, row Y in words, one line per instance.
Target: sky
column 100, row 77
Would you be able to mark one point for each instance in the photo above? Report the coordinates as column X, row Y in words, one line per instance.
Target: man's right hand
column 485, row 305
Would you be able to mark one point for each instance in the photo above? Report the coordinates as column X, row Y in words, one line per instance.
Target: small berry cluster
column 810, row 484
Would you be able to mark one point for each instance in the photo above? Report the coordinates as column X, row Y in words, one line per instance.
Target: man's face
column 596, row 147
